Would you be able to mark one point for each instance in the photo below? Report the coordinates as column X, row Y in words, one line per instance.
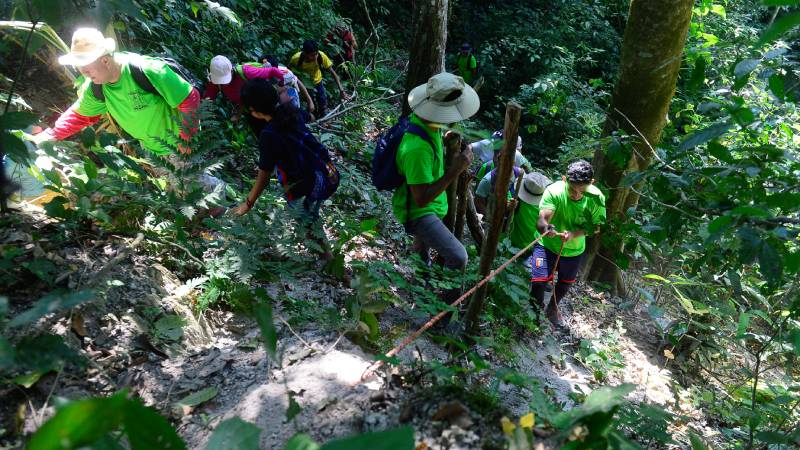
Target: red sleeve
column 211, row 91
column 69, row 123
column 188, row 107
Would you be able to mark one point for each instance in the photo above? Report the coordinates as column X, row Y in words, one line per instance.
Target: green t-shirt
column 523, row 226
column 150, row 118
column 419, row 164
column 466, row 64
column 570, row 215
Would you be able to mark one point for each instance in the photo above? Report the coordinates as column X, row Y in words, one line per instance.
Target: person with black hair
column 312, row 62
column 291, row 88
column 287, row 148
column 570, row 210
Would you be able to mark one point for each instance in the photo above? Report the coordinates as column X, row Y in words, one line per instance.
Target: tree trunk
column 651, row 58
column 451, row 148
column 461, row 207
column 429, row 31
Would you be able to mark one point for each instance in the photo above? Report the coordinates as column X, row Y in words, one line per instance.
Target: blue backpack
column 385, row 176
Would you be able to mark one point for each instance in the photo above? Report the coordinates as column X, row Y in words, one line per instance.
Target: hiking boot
column 555, row 318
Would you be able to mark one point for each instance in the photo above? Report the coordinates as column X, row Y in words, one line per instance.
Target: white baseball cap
column 88, row 44
column 445, row 98
column 221, row 70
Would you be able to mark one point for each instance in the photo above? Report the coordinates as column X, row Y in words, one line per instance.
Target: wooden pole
column 473, row 223
column 461, row 210
column 489, row 248
column 452, row 147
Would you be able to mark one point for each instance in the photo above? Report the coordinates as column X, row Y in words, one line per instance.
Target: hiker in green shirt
column 151, row 117
column 569, row 210
column 466, row 64
column 144, row 95
column 522, row 230
column 420, row 202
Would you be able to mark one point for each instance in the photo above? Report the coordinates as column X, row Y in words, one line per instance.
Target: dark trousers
column 321, row 99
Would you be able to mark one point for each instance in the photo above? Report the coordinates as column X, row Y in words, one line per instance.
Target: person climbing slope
column 570, row 210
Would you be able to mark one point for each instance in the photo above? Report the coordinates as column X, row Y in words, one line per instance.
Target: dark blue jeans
column 321, row 98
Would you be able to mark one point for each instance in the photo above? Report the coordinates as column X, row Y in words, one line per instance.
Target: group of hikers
column 154, row 100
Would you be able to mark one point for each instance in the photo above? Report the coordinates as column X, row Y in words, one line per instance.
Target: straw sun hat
column 88, row 44
column 445, row 98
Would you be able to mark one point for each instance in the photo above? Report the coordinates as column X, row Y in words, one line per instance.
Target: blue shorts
column 542, row 263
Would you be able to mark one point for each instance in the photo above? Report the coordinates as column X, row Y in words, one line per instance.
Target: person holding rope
column 569, row 210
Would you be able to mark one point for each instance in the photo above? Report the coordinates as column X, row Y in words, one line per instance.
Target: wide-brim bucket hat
column 533, row 186
column 445, row 98
column 88, row 44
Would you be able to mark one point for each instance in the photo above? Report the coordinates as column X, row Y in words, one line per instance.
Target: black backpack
column 137, row 72
column 313, row 154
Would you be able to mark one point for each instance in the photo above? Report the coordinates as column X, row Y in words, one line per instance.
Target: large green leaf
column 705, row 135
column 235, row 434
column 779, row 28
column 601, row 400
column 397, row 439
column 80, row 423
column 146, row 429
column 301, row 441
column 263, row 313
column 16, row 120
column 50, row 303
column 198, row 397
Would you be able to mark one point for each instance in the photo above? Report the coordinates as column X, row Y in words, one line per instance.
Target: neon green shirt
column 312, row 68
column 522, row 230
column 150, row 118
column 570, row 215
column 419, row 164
column 466, row 64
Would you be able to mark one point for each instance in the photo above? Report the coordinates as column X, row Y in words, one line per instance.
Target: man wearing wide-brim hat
column 152, row 118
column 420, row 202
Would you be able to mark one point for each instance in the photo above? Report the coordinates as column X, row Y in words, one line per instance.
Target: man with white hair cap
column 143, row 94
column 420, row 202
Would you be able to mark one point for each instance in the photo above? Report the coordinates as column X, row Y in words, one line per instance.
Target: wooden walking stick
column 489, row 247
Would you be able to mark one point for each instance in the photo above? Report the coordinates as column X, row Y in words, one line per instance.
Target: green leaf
column 197, row 398
column 44, row 353
column 169, row 327
column 235, row 434
column 652, row 276
column 397, row 439
column 705, row 135
column 263, row 313
column 744, row 322
column 80, row 423
column 301, row 441
column 50, row 303
column 697, row 442
column 698, row 77
column 29, row 379
column 719, row 223
column 770, row 263
column 42, row 268
column 750, row 211
column 744, row 68
column 16, row 120
column 294, row 408
column 90, row 168
column 779, row 28
column 780, row 2
column 773, row 437
column 601, row 400
column 15, row 148
column 146, row 429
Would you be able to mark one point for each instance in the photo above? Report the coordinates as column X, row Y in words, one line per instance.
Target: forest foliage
column 712, row 249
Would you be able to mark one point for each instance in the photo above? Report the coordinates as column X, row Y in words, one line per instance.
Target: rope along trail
column 411, row 338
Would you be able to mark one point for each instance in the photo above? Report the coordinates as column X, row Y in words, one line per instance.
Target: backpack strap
column 239, row 69
column 137, row 72
column 97, row 91
column 416, row 130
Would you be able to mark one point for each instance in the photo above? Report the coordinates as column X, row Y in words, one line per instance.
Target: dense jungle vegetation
column 685, row 327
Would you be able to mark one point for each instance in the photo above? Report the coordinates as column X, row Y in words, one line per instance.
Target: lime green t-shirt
column 312, row 68
column 570, row 215
column 466, row 64
column 523, row 226
column 419, row 164
column 152, row 119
